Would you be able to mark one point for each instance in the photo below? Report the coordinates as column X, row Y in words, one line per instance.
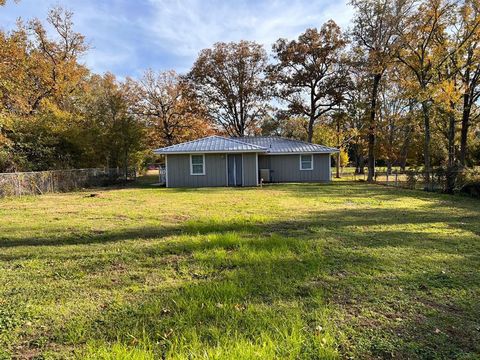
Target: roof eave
column 160, row 152
column 303, row 152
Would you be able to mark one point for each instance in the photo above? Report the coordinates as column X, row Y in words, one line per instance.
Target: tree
column 230, row 79
column 311, row 73
column 170, row 108
column 282, row 124
column 395, row 120
column 55, row 71
column 344, row 135
column 118, row 133
column 423, row 53
column 3, row 2
column 355, row 108
column 439, row 45
column 38, row 79
column 454, row 80
column 469, row 34
column 376, row 33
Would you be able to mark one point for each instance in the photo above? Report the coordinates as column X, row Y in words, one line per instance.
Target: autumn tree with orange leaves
column 171, row 110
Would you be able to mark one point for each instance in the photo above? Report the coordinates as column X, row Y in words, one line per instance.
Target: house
column 223, row 161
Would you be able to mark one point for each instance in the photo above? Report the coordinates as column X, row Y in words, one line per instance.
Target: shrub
column 469, row 182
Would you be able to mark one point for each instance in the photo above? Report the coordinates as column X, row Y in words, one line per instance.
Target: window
column 197, row 164
column 306, row 162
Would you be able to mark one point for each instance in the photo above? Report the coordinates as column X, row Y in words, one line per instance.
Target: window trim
column 191, row 165
column 311, row 162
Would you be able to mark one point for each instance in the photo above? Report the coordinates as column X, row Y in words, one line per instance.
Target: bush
column 469, row 182
column 472, row 189
column 343, row 158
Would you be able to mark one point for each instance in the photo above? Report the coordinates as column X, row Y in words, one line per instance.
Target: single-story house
column 245, row 161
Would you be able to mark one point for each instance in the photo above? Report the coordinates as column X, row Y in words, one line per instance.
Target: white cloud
column 186, row 27
column 128, row 36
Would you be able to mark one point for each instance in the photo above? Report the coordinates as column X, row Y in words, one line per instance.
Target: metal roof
column 213, row 144
column 260, row 144
column 279, row 145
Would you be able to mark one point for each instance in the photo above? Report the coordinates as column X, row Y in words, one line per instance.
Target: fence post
column 396, row 178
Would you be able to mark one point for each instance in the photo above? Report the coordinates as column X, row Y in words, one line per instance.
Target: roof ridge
column 262, row 136
column 282, row 138
column 235, row 142
column 245, row 143
column 304, row 142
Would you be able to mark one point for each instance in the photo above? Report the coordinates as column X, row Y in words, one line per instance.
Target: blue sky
column 128, row 36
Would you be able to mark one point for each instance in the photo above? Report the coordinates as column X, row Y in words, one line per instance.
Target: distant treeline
column 399, row 88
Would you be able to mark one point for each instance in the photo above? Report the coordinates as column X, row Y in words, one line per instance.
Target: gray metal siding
column 264, row 162
column 286, row 168
column 178, row 168
column 249, row 169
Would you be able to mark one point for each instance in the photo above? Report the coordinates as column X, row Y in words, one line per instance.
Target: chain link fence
column 441, row 180
column 40, row 182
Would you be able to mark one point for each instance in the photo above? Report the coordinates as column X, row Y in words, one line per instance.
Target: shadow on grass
column 252, row 287
column 389, row 288
column 346, row 220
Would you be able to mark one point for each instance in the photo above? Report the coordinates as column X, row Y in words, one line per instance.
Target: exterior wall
column 250, row 169
column 264, row 162
column 286, row 168
column 178, row 171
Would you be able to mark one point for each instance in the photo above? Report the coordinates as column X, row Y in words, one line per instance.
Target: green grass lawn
column 285, row 271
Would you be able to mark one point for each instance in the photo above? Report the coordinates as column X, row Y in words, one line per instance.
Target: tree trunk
column 426, row 145
column 405, row 147
column 389, row 166
column 451, row 174
column 372, row 128
column 358, row 158
column 337, row 165
column 310, row 129
column 464, row 131
column 361, row 165
column 337, row 175
column 311, row 120
column 126, row 164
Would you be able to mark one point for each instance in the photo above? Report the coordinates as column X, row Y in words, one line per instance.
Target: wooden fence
column 40, row 182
